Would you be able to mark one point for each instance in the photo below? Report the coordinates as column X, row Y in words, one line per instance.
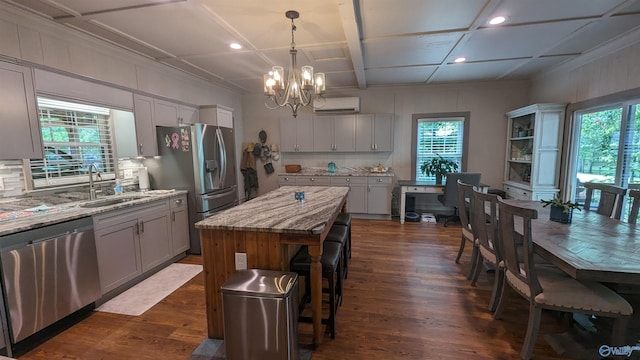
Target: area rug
column 141, row 297
column 213, row 349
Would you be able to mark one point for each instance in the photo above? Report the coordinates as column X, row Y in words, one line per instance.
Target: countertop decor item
column 292, row 168
column 438, row 167
column 561, row 211
column 301, row 86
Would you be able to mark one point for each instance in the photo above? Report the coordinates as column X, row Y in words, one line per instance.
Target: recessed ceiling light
column 235, row 46
column 497, row 20
column 460, row 59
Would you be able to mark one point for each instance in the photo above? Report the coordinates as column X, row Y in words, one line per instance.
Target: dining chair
column 485, row 227
column 465, row 204
column 450, row 198
column 611, row 199
column 547, row 287
column 635, row 206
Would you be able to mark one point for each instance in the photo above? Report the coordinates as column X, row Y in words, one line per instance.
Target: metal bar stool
column 331, row 270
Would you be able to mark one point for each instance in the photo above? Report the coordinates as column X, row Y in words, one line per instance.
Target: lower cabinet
column 131, row 241
column 179, row 225
column 379, row 195
column 357, row 200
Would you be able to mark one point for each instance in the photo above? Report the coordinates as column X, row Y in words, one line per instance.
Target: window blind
column 443, row 137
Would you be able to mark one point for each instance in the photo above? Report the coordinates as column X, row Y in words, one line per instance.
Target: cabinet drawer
column 517, row 193
column 313, row 180
column 286, row 180
column 379, row 180
column 115, row 217
column 178, row 203
column 347, row 180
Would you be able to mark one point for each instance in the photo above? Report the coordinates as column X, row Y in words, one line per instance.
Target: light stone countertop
column 45, row 214
column 278, row 211
column 339, row 172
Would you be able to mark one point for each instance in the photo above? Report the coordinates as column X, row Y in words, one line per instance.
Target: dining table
column 592, row 247
column 266, row 229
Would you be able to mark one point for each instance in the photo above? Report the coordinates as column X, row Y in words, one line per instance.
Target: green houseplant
column 561, row 211
column 438, row 167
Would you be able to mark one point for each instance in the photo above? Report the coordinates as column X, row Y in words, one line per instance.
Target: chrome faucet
column 92, row 190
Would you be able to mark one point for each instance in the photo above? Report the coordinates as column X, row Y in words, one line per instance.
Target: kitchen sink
column 107, row 202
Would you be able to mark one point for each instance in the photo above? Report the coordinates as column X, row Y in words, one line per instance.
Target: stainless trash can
column 260, row 313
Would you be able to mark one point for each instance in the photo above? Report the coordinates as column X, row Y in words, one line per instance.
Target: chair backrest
column 465, row 203
column 611, row 199
column 515, row 224
column 485, row 224
column 451, row 186
column 633, row 215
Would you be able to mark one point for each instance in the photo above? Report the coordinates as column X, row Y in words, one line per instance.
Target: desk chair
column 547, row 287
column 450, row 196
column 611, row 199
column 635, row 206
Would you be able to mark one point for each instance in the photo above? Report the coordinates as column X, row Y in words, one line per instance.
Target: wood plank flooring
column 405, row 298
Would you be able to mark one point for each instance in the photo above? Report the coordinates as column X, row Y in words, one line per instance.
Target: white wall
column 607, row 75
column 487, row 103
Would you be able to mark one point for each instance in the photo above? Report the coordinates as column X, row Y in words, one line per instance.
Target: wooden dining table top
column 593, row 247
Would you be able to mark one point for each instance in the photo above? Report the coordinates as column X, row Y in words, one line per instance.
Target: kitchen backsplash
column 13, row 179
column 342, row 160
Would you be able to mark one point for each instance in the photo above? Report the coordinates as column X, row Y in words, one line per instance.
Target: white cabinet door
column 296, row 134
column 379, row 195
column 383, row 132
column 323, row 133
column 216, row 115
column 118, row 254
column 188, row 115
column 364, row 132
column 145, row 127
column 304, row 134
column 179, row 225
column 344, row 133
column 165, row 113
column 155, row 237
column 357, row 202
column 20, row 137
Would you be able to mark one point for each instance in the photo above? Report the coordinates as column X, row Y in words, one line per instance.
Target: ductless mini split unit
column 341, row 105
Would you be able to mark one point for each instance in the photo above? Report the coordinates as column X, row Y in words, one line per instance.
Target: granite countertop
column 339, row 172
column 26, row 213
column 278, row 211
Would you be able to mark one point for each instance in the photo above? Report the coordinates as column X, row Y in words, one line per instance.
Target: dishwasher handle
column 74, row 231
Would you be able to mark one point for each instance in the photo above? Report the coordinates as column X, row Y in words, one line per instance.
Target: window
column 437, row 135
column 606, row 148
column 74, row 136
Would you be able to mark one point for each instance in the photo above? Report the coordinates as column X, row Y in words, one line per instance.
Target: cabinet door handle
column 173, row 216
column 379, row 180
column 142, row 227
column 141, row 149
column 368, row 188
column 137, row 229
column 348, row 180
column 312, row 179
column 178, row 201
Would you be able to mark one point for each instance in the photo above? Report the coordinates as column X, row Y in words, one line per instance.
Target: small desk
column 416, row 187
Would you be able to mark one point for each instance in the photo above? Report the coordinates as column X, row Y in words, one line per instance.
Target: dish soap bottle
column 118, row 187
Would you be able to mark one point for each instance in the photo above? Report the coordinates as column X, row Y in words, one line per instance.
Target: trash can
column 260, row 314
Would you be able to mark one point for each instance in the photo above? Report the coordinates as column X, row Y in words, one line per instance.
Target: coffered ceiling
column 357, row 43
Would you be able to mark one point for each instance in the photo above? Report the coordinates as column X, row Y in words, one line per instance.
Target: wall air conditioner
column 341, row 105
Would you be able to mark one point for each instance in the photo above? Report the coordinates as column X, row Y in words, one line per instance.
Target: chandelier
column 301, row 87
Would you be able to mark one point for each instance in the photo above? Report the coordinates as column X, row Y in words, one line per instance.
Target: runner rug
column 144, row 295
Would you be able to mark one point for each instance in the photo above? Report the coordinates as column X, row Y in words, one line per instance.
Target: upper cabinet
column 374, row 132
column 534, row 140
column 296, row 134
column 145, row 128
column 168, row 113
column 20, row 137
column 334, row 133
column 217, row 115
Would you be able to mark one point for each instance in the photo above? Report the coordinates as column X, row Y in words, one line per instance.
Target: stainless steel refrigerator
column 199, row 158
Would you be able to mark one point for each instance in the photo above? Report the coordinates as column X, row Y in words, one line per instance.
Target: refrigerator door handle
column 223, row 158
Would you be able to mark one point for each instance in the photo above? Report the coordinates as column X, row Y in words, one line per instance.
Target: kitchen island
column 262, row 228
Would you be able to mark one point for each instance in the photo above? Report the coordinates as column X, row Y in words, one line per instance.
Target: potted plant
column 561, row 211
column 438, row 167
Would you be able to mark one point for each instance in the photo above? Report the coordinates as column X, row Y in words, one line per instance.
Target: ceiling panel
column 407, row 75
column 534, row 67
column 232, row 66
column 340, row 79
column 519, row 12
column 384, row 17
column 472, row 71
column 416, row 50
column 517, row 41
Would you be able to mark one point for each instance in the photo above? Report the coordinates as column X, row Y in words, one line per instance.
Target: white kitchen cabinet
column 21, row 136
column 334, row 133
column 379, row 195
column 143, row 111
column 374, row 132
column 216, row 115
column 130, row 242
column 296, row 134
column 534, row 141
column 165, row 113
column 179, row 224
column 357, row 199
column 188, row 115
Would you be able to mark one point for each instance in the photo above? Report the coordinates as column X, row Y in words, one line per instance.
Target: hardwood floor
column 405, row 298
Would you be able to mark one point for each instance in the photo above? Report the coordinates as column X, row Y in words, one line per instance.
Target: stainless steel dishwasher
column 48, row 273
